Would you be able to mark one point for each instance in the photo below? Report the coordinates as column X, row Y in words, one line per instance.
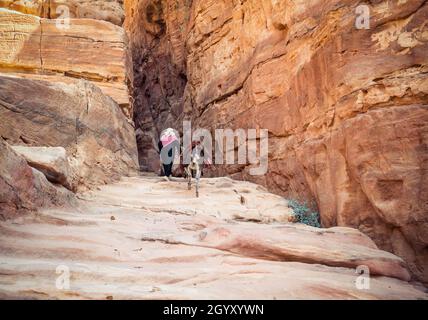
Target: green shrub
column 303, row 214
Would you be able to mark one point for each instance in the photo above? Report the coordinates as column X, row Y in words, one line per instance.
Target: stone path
column 147, row 238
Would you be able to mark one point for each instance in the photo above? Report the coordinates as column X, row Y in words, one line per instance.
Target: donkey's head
column 196, row 157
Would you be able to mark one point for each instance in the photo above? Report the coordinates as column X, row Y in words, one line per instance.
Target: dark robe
column 167, row 156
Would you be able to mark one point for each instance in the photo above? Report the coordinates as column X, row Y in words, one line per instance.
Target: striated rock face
column 346, row 109
column 94, row 50
column 98, row 138
column 24, row 189
column 124, row 246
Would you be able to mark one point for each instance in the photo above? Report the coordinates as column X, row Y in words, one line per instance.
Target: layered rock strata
column 111, row 11
column 47, row 49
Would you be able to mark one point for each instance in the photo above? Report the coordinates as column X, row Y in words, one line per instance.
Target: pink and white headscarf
column 168, row 136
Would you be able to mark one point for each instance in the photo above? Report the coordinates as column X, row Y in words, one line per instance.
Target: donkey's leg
column 189, row 178
column 198, row 178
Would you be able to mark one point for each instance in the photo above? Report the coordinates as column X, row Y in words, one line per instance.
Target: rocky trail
column 148, row 238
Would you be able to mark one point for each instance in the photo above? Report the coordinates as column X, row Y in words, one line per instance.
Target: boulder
column 24, row 189
column 98, row 138
column 51, row 161
column 17, row 191
column 52, row 195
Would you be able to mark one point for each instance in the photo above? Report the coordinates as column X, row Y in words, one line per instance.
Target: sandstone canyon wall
column 66, row 118
column 346, row 109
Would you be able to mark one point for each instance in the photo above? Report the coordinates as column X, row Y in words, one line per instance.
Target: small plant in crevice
column 303, row 214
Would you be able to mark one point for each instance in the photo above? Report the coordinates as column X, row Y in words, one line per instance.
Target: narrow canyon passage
column 118, row 244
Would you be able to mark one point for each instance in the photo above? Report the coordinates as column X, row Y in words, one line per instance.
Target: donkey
column 195, row 167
